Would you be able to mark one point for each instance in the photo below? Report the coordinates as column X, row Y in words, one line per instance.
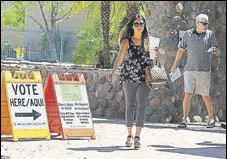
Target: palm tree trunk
column 105, row 20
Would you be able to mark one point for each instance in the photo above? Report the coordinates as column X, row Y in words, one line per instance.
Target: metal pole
column 61, row 50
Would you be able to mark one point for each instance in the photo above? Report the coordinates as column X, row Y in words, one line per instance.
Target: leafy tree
column 132, row 8
column 14, row 15
column 91, row 42
column 90, row 37
column 58, row 12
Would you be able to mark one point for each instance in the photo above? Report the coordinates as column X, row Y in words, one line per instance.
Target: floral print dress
column 133, row 67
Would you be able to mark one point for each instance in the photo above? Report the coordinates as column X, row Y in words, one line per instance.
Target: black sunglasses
column 204, row 23
column 138, row 24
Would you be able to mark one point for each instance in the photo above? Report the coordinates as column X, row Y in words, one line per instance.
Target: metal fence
column 38, row 46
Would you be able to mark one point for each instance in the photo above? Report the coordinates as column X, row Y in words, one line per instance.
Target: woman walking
column 134, row 74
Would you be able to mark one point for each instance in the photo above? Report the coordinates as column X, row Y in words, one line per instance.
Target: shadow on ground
column 59, row 137
column 103, row 149
column 5, row 157
column 53, row 137
column 10, row 139
column 191, row 126
column 214, row 150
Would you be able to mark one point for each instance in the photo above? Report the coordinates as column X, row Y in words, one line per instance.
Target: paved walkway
column 159, row 141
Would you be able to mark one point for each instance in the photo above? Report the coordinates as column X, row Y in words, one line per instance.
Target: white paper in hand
column 175, row 75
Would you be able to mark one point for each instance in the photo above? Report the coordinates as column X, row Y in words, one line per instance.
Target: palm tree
column 132, row 8
column 105, row 20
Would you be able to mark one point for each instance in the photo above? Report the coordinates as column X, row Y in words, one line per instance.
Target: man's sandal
column 137, row 142
column 128, row 142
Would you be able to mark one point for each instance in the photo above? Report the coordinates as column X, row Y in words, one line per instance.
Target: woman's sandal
column 137, row 142
column 128, row 142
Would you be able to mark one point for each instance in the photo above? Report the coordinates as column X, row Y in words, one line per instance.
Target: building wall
column 71, row 24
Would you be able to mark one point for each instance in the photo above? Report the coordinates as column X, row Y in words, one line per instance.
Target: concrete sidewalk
column 159, row 141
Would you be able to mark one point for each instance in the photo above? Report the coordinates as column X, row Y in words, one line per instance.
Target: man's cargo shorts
column 197, row 82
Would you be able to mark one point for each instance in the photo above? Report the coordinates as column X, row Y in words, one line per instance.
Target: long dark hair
column 127, row 31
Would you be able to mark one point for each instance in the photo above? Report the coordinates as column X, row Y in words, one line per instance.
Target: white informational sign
column 27, row 106
column 73, row 106
column 154, row 43
column 175, row 75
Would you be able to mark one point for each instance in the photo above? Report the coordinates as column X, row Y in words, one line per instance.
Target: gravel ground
column 159, row 141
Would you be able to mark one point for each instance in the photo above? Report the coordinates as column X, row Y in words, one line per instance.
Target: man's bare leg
column 209, row 106
column 186, row 104
column 186, row 109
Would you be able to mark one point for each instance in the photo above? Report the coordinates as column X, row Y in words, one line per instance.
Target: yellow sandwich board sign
column 23, row 111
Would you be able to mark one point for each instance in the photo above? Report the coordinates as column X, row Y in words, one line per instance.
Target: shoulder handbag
column 158, row 73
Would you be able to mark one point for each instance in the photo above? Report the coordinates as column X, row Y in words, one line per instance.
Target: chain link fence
column 38, row 46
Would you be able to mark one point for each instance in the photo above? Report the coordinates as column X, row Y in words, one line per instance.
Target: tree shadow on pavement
column 103, row 149
column 190, row 127
column 5, row 157
column 59, row 137
column 214, row 150
column 209, row 143
column 10, row 139
column 201, row 127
